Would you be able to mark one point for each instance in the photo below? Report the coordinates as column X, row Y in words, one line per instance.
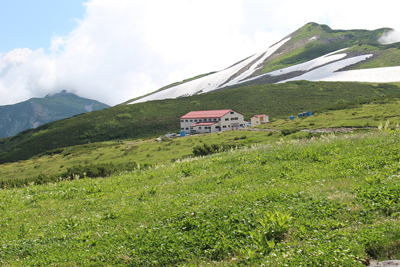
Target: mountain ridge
column 37, row 111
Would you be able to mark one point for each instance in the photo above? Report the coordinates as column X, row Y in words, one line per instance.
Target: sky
column 112, row 51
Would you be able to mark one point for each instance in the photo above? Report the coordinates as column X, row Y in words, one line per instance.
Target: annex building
column 259, row 119
column 209, row 121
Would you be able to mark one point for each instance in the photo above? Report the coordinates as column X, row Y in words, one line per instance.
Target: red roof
column 259, row 116
column 203, row 123
column 206, row 114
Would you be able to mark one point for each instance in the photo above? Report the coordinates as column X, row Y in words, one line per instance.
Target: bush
column 214, row 148
column 289, row 131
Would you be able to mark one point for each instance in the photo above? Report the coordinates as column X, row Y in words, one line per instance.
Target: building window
column 187, row 128
column 227, row 119
column 224, row 126
column 215, row 119
column 229, row 126
column 191, row 120
column 199, row 128
column 181, row 120
column 195, row 120
column 182, row 129
column 219, row 119
column 191, row 128
column 232, row 112
column 186, row 120
column 200, row 120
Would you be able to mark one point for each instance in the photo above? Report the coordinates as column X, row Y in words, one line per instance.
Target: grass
column 321, row 202
column 137, row 151
column 367, row 115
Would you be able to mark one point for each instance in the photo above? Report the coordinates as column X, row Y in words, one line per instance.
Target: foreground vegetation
column 327, row 202
column 155, row 118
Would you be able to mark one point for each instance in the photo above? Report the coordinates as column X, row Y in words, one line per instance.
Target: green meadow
column 361, row 116
column 131, row 151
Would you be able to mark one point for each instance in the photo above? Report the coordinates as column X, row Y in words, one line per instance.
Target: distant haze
column 127, row 48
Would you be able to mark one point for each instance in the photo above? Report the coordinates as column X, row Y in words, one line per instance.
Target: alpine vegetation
column 328, row 201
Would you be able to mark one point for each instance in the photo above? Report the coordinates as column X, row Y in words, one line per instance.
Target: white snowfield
column 326, row 73
column 306, row 66
column 325, row 68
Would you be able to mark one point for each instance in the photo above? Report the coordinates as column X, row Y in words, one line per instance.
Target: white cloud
column 390, row 37
column 126, row 48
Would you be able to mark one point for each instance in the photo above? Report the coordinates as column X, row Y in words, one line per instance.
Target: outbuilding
column 259, row 119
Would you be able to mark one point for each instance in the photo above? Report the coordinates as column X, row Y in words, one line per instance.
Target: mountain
column 38, row 111
column 314, row 53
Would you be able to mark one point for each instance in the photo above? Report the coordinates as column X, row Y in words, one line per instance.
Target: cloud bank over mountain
column 122, row 49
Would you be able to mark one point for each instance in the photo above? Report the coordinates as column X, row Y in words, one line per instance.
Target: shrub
column 214, row 148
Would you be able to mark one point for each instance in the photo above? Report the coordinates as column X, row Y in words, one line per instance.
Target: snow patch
column 325, row 73
column 89, row 108
column 376, row 75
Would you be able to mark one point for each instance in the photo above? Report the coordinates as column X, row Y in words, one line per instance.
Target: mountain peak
column 62, row 92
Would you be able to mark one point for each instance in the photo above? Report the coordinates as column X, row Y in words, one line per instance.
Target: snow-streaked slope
column 306, row 66
column 213, row 81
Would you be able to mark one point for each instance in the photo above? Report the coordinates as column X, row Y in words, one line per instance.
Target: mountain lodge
column 209, row 121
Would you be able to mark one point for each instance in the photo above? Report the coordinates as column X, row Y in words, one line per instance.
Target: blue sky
column 32, row 23
column 115, row 50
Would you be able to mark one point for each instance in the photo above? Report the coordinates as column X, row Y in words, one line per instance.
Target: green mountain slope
column 38, row 111
column 156, row 118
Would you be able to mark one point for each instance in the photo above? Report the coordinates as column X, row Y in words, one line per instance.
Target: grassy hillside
column 130, row 153
column 327, row 202
column 363, row 114
column 155, row 118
